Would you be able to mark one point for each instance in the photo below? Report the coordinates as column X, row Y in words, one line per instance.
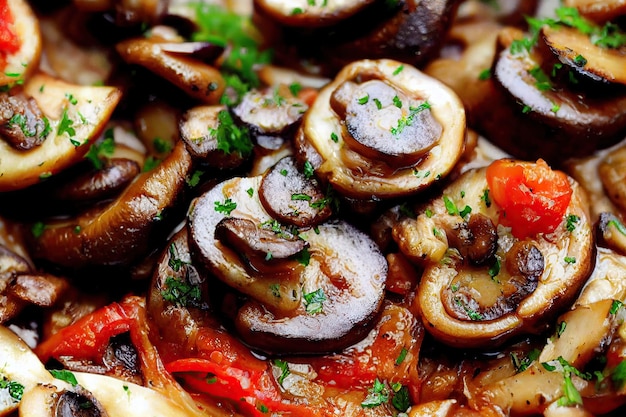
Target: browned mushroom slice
column 515, row 286
column 76, row 115
column 577, row 50
column 270, row 112
column 383, row 123
column 611, row 233
column 197, row 79
column 280, row 290
column 307, row 13
column 598, row 10
column 360, row 176
column 292, row 198
column 342, row 294
column 325, row 303
column 114, row 176
column 22, row 124
column 546, row 120
column 122, row 230
column 212, row 137
column 17, row 65
column 126, row 12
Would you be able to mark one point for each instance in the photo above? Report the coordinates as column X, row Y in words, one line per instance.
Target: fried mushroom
column 482, row 285
column 411, row 141
column 21, row 43
column 320, row 299
column 74, row 116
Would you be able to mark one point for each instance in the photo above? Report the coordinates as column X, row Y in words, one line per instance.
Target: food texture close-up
column 286, row 208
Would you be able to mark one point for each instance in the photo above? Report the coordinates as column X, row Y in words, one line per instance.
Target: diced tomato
column 533, row 198
column 9, row 42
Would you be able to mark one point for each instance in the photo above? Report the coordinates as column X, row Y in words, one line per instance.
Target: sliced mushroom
column 127, row 12
column 350, row 167
column 19, row 61
column 76, row 115
column 328, row 302
column 200, row 130
column 22, row 124
column 546, row 120
column 123, row 230
column 577, row 50
column 292, row 198
column 611, row 232
column 468, row 304
column 271, row 112
column 197, row 79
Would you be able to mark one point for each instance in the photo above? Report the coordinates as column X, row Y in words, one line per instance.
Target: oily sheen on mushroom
column 324, row 303
column 383, row 129
column 482, row 284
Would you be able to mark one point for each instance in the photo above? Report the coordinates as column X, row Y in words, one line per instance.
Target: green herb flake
column 580, row 61
column 230, row 137
column 377, row 395
column 283, row 366
column 401, row 357
column 571, row 221
column 401, row 400
column 521, row 364
column 364, row 99
column 484, row 74
column 225, row 207
column 398, row 70
column 308, row 170
column 304, row 257
column 301, row 197
column 181, row 293
column 14, row 388
column 250, row 191
column 405, row 121
column 334, row 137
column 37, row 229
column 194, row 180
column 560, row 328
column 314, row 301
column 617, row 304
column 295, row 88
column 397, row 102
column 570, row 260
column 378, row 104
column 64, row 375
column 618, row 375
column 66, row 125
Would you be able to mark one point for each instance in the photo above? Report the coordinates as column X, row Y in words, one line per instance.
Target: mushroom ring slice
column 384, row 129
column 323, row 301
column 76, row 114
column 472, row 297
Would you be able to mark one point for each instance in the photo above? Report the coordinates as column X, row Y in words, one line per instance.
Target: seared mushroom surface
column 74, row 115
column 122, row 230
column 213, row 138
column 321, row 298
column 384, row 129
column 507, row 282
column 21, row 122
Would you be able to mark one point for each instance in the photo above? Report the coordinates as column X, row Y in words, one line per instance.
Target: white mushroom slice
column 361, row 176
column 23, row 61
column 76, row 115
column 482, row 299
column 322, row 304
column 309, row 13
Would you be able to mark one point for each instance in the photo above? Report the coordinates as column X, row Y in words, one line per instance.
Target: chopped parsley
column 308, row 170
column 304, row 257
column 378, row 394
column 100, row 150
column 400, row 400
column 364, row 99
column 616, row 306
column 226, row 207
column 570, row 260
column 571, row 222
column 401, row 356
column 15, row 389
column 284, row 369
column 314, row 301
column 37, row 229
column 66, row 126
column 521, row 364
column 181, row 293
column 484, row 74
column 230, row 137
column 64, row 375
column 407, row 120
column 334, row 137
column 398, row 70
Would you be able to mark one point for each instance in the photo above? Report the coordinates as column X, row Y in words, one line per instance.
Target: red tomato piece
column 9, row 42
column 533, row 198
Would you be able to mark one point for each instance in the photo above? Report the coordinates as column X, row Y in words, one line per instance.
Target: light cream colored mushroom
column 23, row 62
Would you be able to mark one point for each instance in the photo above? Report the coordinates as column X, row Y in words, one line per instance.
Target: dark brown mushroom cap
column 198, row 127
column 197, row 79
column 343, row 264
column 292, row 198
column 359, row 176
column 19, row 169
column 22, row 124
column 121, row 231
column 524, row 284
